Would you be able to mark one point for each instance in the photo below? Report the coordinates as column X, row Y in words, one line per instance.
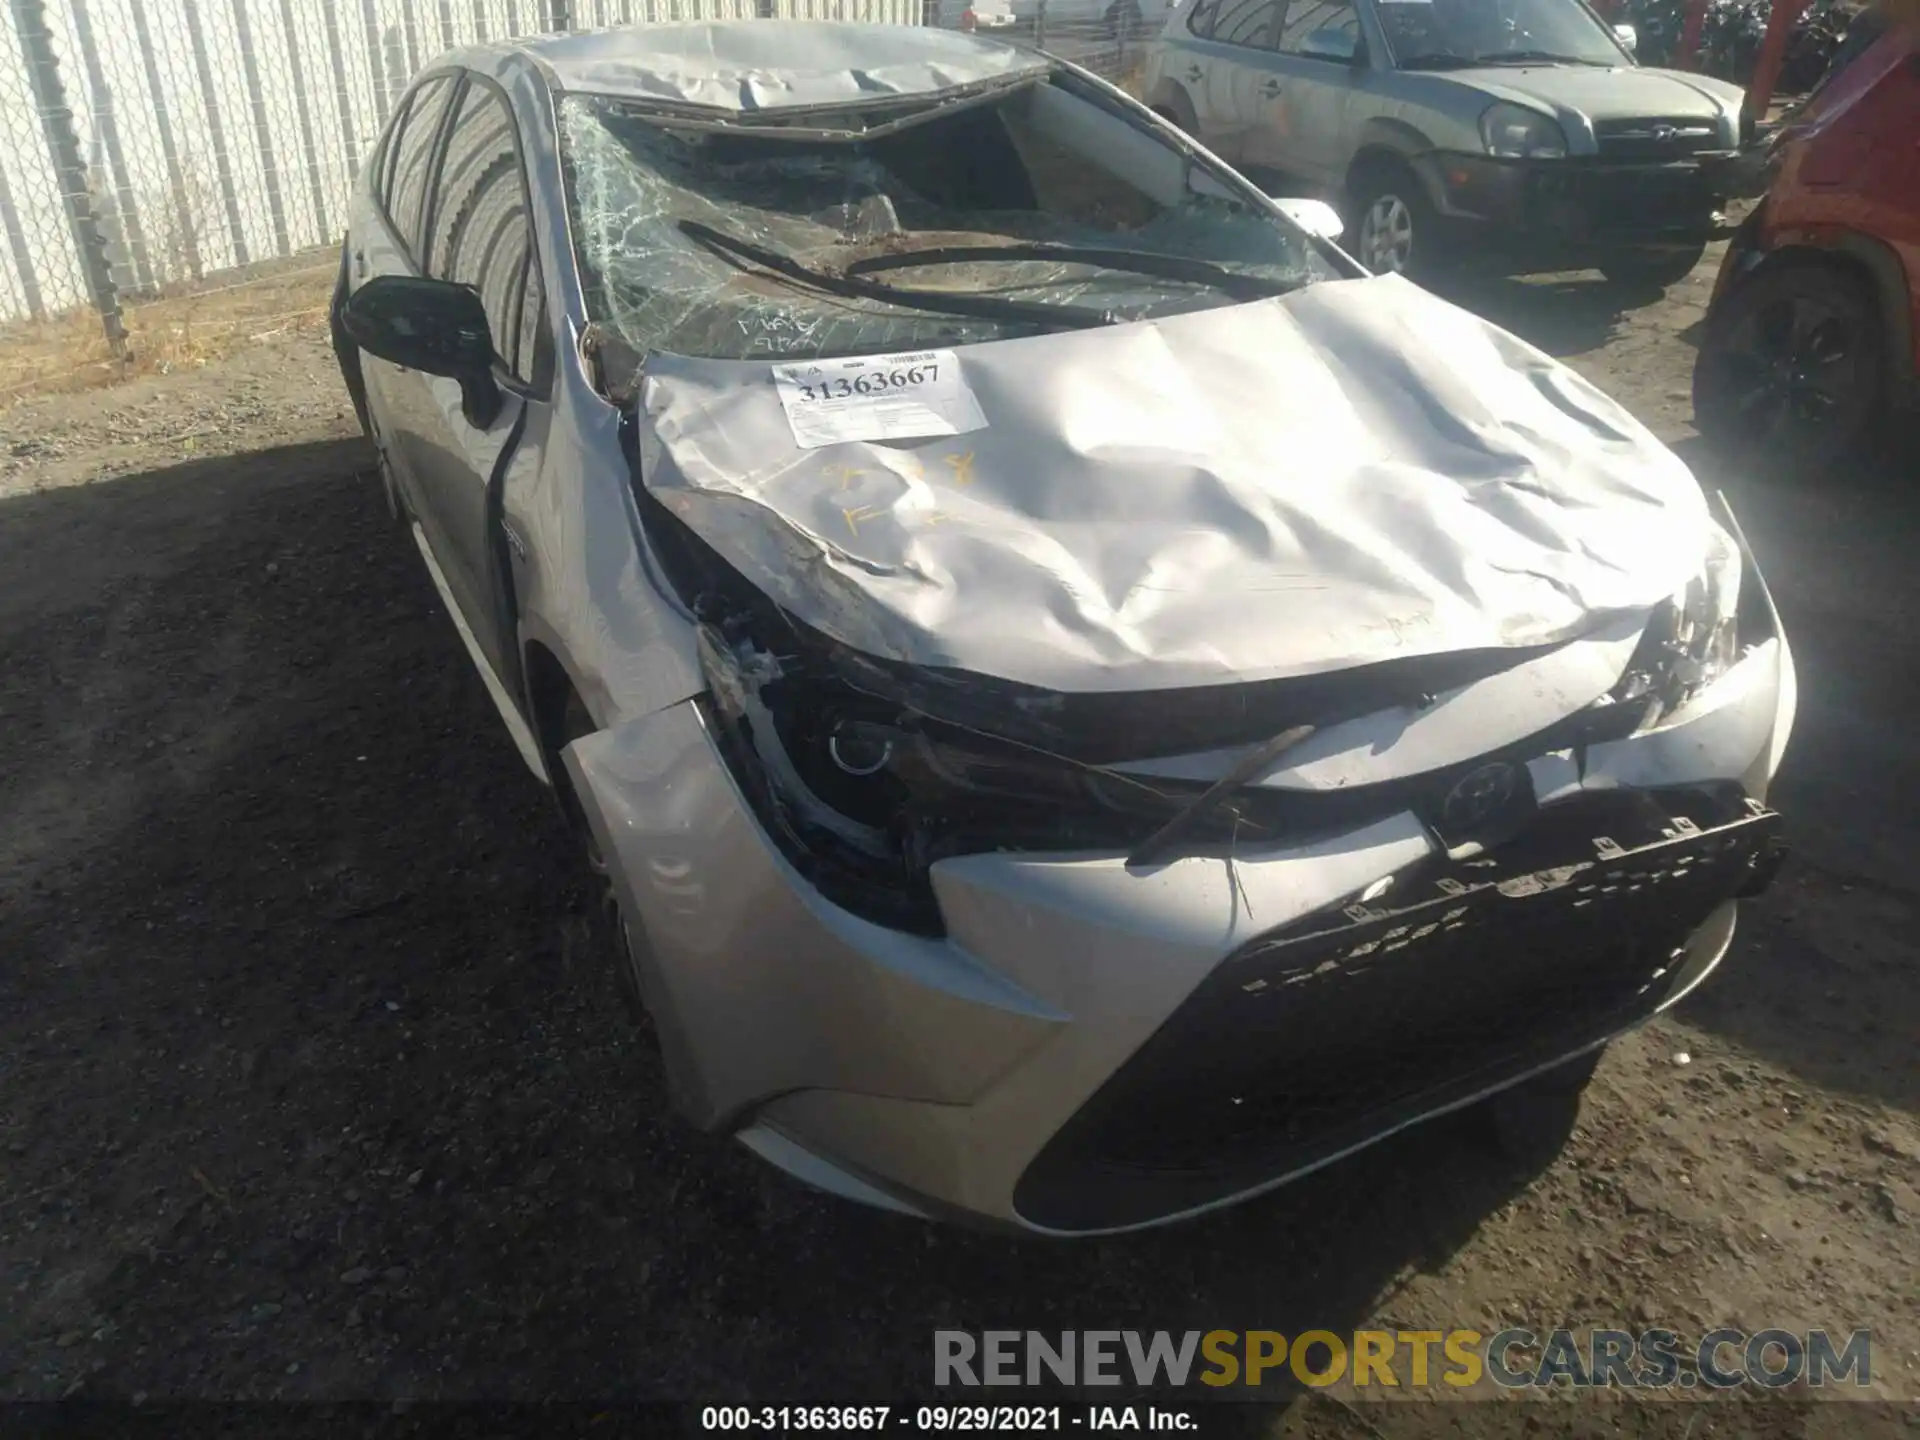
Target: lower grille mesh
column 1313, row 1038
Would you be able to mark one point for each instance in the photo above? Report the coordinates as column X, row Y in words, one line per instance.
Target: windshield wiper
column 1436, row 60
column 982, row 307
column 1142, row 262
column 1540, row 57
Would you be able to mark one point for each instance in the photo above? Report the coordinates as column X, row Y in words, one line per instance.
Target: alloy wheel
column 1792, row 365
column 1386, row 236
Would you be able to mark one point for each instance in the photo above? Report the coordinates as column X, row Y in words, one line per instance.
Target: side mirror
column 433, row 326
column 1316, row 217
column 1339, row 46
column 1629, row 38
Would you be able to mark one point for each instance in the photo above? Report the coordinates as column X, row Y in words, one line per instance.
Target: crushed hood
column 1354, row 473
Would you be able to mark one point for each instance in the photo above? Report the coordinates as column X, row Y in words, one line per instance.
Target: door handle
column 1193, row 74
column 1271, row 89
column 359, row 264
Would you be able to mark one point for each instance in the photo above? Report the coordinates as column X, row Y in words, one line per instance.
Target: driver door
column 1230, row 63
column 1308, row 130
column 478, row 234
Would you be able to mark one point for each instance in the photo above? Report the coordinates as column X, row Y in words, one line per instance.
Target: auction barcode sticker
column 877, row 397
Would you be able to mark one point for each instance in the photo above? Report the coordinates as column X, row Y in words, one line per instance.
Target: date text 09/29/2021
column 939, row 1419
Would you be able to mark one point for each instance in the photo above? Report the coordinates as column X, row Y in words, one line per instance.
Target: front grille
column 1326, row 1033
column 1658, row 138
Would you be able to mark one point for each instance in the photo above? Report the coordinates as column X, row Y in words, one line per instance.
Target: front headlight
column 1514, row 132
column 1692, row 639
column 863, row 796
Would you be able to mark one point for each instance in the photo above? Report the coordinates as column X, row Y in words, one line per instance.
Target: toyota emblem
column 1477, row 795
column 1665, row 134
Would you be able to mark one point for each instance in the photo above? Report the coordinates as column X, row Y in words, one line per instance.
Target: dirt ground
column 308, row 1091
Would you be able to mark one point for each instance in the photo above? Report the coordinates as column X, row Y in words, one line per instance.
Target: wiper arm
column 1437, row 60
column 1143, row 262
column 983, row 307
column 1540, row 57
column 1176, row 829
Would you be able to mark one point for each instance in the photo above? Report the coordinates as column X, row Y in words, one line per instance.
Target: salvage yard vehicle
column 1085, row 705
column 1518, row 132
column 1813, row 334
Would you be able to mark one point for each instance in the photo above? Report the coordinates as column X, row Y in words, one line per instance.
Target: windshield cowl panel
column 653, row 205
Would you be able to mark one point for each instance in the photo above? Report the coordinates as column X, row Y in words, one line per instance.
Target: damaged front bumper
column 1582, row 202
column 1090, row 1047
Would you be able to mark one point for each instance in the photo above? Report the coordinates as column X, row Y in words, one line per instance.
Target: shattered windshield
column 1033, row 211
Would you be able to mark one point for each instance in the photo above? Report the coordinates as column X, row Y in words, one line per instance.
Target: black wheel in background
column 1793, row 367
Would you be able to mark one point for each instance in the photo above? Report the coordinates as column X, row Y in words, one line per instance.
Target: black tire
column 1529, row 1123
column 1654, row 268
column 1792, row 370
column 605, row 922
column 1393, row 227
column 1177, row 111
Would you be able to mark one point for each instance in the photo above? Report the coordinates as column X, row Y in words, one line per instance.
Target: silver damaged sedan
column 1086, row 705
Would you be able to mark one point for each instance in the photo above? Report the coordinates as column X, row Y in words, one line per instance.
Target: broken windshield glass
column 1025, row 177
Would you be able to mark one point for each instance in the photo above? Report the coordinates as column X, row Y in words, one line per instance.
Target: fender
column 1399, row 140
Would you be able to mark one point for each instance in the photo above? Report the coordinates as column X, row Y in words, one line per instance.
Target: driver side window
column 480, row 235
column 1304, row 20
column 1252, row 24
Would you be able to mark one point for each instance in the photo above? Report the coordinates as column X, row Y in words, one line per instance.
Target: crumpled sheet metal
column 1353, row 473
column 757, row 66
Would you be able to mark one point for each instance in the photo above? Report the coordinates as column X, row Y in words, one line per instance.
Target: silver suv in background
column 1518, row 128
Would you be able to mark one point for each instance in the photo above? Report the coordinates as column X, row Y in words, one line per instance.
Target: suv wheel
column 1394, row 228
column 1793, row 365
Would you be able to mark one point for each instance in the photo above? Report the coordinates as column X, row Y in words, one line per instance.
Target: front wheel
column 1793, row 366
column 1654, row 268
column 1395, row 229
column 1531, row 1122
column 606, row 922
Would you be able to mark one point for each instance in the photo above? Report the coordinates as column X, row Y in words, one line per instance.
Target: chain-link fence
column 1108, row 37
column 146, row 144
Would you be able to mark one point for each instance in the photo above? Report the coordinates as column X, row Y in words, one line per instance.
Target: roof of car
column 756, row 66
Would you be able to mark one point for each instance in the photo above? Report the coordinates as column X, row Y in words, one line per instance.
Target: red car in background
column 1813, row 333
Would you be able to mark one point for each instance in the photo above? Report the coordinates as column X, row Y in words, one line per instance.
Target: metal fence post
column 304, row 113
column 185, row 244
column 349, row 144
column 216, row 132
column 1040, row 26
column 262, row 128
column 63, row 147
column 376, row 72
column 101, row 97
column 560, row 13
column 22, row 256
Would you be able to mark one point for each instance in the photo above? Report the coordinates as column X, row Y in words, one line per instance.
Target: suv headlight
column 1514, row 132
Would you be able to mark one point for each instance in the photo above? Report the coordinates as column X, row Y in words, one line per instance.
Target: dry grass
column 182, row 329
